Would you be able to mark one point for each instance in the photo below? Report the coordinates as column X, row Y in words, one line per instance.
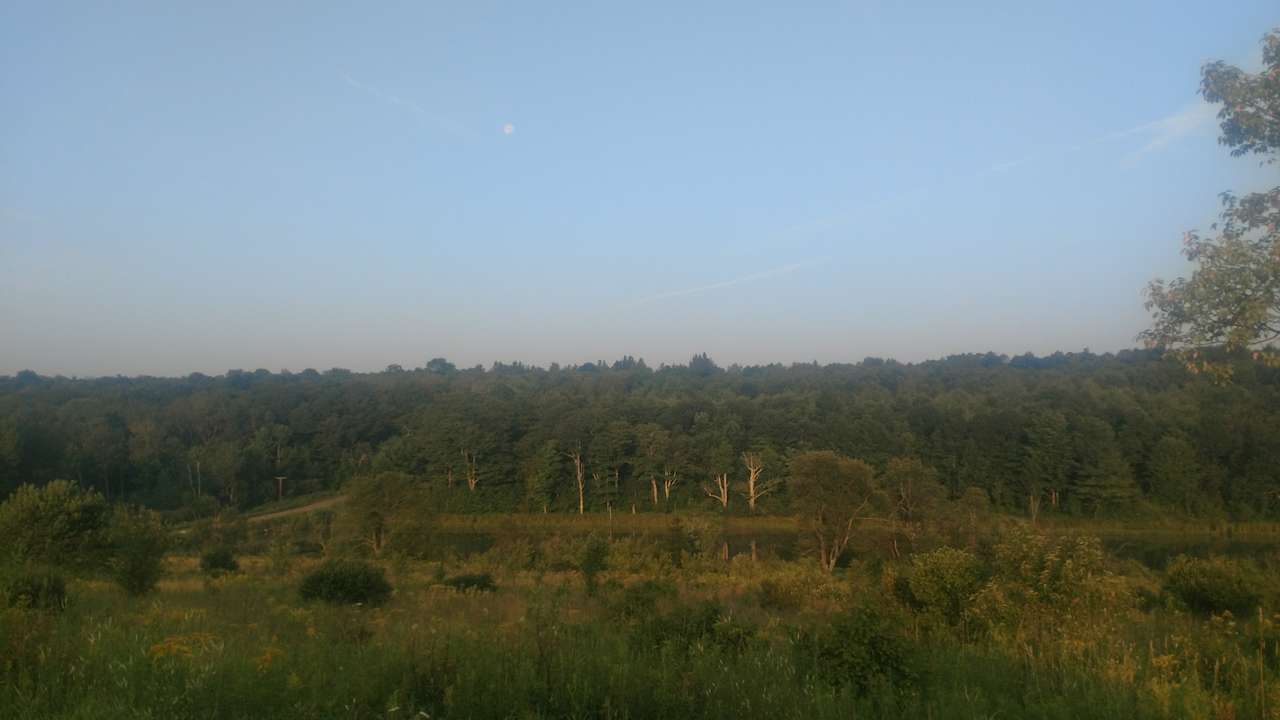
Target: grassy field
column 1021, row 626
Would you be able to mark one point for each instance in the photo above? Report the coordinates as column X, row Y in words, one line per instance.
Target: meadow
column 1015, row 622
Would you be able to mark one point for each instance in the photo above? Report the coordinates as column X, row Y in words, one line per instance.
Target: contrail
column 440, row 121
column 1163, row 130
column 719, row 285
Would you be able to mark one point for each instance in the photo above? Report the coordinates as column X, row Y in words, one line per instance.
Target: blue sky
column 291, row 185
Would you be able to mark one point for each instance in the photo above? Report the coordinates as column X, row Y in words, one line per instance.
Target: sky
column 203, row 186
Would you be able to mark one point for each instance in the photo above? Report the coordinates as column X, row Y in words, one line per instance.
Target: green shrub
column 703, row 623
column 859, row 649
column 219, row 560
column 1057, row 572
column 479, row 582
column 37, row 591
column 59, row 524
column 307, row 548
column 346, row 582
column 942, row 581
column 1214, row 584
column 138, row 543
column 678, row 542
column 778, row 596
column 641, row 599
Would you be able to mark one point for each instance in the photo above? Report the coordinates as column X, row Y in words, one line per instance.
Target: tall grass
column 707, row 642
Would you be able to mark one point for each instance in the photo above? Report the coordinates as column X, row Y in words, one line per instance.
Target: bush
column 942, row 581
column 37, row 591
column 307, row 548
column 778, row 596
column 219, row 560
column 794, row 586
column 138, row 543
column 682, row 626
column 1214, row 584
column 58, row 524
column 346, row 582
column 479, row 582
column 860, row 649
column 641, row 599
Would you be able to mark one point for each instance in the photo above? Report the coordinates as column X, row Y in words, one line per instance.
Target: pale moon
column 508, row 129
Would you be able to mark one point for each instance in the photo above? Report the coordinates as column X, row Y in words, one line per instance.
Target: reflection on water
column 461, row 544
column 1154, row 551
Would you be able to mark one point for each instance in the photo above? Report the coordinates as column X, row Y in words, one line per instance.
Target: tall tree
column 1232, row 299
column 832, row 494
column 1175, row 472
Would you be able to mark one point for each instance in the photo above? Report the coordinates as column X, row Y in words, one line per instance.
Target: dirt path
column 301, row 509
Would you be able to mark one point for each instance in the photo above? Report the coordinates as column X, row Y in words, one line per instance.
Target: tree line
column 1078, row 433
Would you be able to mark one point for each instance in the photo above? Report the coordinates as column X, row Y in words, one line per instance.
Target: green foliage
column 861, row 649
column 943, row 582
column 777, row 596
column 685, row 645
column 1214, row 584
column 1054, row 570
column 45, row 590
column 1011, row 428
column 832, row 494
column 1032, row 576
column 593, row 560
column 683, row 627
column 914, row 491
column 474, row 582
column 641, row 600
column 1175, row 473
column 58, row 524
column 1232, row 298
column 346, row 582
column 388, row 512
column 138, row 542
column 219, row 560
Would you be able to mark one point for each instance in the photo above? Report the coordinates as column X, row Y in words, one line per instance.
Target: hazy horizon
column 199, row 189
column 420, row 365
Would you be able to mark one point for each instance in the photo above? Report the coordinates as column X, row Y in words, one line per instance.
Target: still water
column 1153, row 551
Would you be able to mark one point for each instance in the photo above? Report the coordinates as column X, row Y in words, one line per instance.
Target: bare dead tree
column 473, row 473
column 579, row 476
column 756, row 487
column 720, row 492
column 670, row 479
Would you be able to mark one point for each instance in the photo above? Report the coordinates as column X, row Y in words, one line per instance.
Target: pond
column 1154, row 551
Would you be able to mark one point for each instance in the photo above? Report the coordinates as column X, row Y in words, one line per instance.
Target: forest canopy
column 1076, row 433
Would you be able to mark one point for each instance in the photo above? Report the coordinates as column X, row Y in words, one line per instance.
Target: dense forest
column 1077, row 433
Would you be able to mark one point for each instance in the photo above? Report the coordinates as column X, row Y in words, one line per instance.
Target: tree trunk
column 669, row 480
column 580, row 477
column 473, row 472
column 720, row 493
column 755, row 490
